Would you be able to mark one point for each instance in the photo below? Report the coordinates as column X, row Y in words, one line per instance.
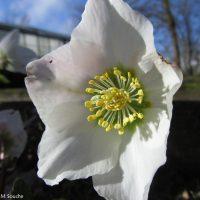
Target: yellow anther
column 123, row 78
column 100, row 121
column 106, row 75
column 103, row 78
column 88, row 104
column 125, row 121
column 117, row 126
column 99, row 113
column 100, row 103
column 136, row 83
column 115, row 99
column 140, row 115
column 91, row 82
column 113, row 91
column 97, row 78
column 140, row 92
column 109, row 127
column 91, row 118
column 129, row 74
column 117, row 72
column 132, row 118
column 104, row 124
column 90, row 90
column 140, row 99
column 103, row 96
column 121, row 131
column 132, row 85
column 91, row 109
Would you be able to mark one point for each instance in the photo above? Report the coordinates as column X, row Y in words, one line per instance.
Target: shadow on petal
column 75, row 148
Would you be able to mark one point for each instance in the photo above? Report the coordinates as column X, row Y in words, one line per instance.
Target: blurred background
column 47, row 24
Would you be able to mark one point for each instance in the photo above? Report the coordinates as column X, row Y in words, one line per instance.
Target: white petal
column 14, row 123
column 161, row 83
column 10, row 41
column 174, row 82
column 46, row 93
column 49, row 80
column 138, row 21
column 90, row 60
column 63, row 75
column 71, row 65
column 78, row 150
column 139, row 160
column 108, row 24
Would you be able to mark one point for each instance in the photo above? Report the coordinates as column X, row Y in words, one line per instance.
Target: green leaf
column 3, row 79
column 20, row 188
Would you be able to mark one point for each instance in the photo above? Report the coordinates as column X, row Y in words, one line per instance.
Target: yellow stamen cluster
column 116, row 100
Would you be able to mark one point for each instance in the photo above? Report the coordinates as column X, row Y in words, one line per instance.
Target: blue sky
column 61, row 16
column 54, row 15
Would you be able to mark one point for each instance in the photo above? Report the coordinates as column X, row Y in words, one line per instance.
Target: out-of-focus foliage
column 3, row 79
column 13, row 60
column 14, row 57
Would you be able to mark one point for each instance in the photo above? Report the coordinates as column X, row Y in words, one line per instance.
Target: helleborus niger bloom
column 106, row 101
column 12, row 135
column 14, row 57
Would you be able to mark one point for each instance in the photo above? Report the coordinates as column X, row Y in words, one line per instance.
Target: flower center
column 114, row 99
column 117, row 100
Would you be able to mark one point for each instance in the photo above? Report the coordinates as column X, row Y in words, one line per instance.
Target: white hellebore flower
column 12, row 135
column 116, row 129
column 14, row 57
